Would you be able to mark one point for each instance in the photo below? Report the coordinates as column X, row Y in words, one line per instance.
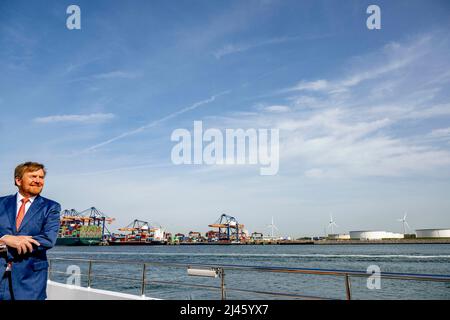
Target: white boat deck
column 60, row 291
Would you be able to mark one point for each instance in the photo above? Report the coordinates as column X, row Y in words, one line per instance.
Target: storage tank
column 374, row 235
column 433, row 233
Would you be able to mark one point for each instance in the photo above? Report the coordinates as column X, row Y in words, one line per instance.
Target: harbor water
column 412, row 258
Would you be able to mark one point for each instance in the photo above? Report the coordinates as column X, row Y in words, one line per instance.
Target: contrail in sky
column 154, row 123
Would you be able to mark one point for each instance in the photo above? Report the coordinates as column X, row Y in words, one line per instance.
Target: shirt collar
column 20, row 197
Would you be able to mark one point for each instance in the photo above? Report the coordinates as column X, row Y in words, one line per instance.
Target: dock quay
column 323, row 242
column 289, row 242
column 386, row 241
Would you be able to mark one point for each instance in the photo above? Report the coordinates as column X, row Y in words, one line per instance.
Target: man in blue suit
column 29, row 226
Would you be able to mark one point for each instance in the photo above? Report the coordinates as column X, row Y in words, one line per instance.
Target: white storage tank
column 433, row 233
column 374, row 235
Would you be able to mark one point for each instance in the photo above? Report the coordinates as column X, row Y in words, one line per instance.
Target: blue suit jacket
column 29, row 271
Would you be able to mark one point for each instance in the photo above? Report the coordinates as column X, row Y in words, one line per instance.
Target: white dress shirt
column 19, row 198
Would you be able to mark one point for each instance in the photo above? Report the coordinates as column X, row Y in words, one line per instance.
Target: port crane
column 91, row 216
column 141, row 232
column 70, row 215
column 229, row 228
column 96, row 216
column 138, row 226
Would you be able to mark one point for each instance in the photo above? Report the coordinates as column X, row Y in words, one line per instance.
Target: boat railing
column 219, row 271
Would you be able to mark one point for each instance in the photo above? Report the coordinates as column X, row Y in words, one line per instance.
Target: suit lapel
column 11, row 208
column 37, row 204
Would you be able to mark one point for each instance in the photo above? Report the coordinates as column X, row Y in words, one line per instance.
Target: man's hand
column 23, row 244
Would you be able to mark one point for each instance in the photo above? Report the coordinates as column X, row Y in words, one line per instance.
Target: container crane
column 140, row 233
column 137, row 226
column 229, row 228
column 83, row 228
column 97, row 218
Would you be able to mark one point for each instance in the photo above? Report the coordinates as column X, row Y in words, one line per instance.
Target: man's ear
column 18, row 182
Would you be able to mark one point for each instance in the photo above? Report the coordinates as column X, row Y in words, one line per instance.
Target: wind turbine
column 405, row 224
column 331, row 224
column 272, row 226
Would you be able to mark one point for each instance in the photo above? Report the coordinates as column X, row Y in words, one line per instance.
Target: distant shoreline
column 325, row 242
column 290, row 242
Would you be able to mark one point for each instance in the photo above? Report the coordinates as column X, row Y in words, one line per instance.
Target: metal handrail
column 346, row 274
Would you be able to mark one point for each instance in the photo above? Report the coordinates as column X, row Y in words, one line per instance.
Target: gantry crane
column 90, row 216
column 229, row 228
column 140, row 233
column 138, row 226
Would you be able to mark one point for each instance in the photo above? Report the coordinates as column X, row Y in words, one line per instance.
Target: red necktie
column 21, row 213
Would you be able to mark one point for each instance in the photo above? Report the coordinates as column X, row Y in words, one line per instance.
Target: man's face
column 31, row 183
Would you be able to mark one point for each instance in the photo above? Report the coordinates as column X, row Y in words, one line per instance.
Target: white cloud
column 317, row 85
column 110, row 75
column 440, row 133
column 118, row 74
column 277, row 109
column 72, row 118
column 315, row 173
column 393, row 57
column 430, row 112
column 357, row 124
column 236, row 48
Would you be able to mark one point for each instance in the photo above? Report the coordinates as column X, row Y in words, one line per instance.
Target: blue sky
column 363, row 115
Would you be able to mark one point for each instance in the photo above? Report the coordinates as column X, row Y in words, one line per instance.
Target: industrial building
column 433, row 233
column 374, row 235
column 335, row 236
